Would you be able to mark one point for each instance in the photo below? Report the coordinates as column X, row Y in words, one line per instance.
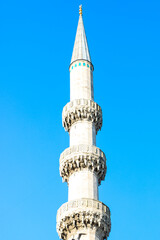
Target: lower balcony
column 81, row 214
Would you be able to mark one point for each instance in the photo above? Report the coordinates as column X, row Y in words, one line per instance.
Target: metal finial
column 80, row 10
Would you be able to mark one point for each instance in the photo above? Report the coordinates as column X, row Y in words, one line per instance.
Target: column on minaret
column 83, row 132
column 81, row 86
column 82, row 165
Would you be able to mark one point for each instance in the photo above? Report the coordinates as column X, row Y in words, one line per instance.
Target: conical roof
column 80, row 50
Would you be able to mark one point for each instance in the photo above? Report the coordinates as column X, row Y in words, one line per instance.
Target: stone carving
column 83, row 213
column 77, row 236
column 81, row 109
column 79, row 157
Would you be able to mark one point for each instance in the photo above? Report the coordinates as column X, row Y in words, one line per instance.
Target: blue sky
column 36, row 42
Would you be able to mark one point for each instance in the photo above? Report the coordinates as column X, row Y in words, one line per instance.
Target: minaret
column 82, row 165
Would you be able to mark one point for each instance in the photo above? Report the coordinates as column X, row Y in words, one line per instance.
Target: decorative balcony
column 83, row 213
column 80, row 157
column 79, row 110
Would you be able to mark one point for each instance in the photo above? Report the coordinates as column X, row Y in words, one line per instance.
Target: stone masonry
column 82, row 165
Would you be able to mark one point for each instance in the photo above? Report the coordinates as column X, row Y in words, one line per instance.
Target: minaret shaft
column 83, row 184
column 82, row 165
column 83, row 132
column 81, row 80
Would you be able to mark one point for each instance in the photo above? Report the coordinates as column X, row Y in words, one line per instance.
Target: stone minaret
column 82, row 165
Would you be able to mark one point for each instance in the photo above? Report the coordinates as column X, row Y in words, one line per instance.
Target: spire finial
column 80, row 10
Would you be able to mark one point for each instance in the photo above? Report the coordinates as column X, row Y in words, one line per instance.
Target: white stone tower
column 82, row 165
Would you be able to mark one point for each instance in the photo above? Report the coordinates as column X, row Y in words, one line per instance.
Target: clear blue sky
column 36, row 42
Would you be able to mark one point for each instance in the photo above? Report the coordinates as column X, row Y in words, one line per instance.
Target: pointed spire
column 80, row 50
